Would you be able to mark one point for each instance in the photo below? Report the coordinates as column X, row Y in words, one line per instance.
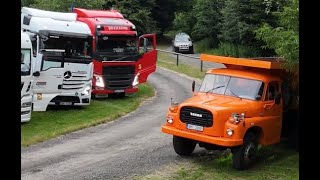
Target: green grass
column 61, row 120
column 225, row 49
column 166, row 61
column 274, row 162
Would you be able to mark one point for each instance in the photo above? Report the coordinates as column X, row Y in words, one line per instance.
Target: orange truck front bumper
column 221, row 141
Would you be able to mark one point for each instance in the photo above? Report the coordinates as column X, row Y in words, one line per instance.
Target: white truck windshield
column 74, row 47
column 25, row 62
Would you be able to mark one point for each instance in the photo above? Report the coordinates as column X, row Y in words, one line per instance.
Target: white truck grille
column 76, row 81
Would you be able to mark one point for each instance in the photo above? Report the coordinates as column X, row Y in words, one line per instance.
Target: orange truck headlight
column 170, row 119
column 229, row 132
column 235, row 118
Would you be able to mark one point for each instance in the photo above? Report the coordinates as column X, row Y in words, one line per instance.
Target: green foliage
column 226, row 49
column 185, row 5
column 163, row 13
column 240, row 19
column 204, row 45
column 136, row 11
column 27, row 2
column 183, row 22
column 207, row 14
column 235, row 50
column 284, row 38
column 231, row 24
column 183, row 18
column 64, row 5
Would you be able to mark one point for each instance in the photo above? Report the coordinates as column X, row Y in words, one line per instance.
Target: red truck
column 122, row 59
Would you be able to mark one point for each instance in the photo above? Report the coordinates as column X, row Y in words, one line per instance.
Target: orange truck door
column 273, row 111
column 147, row 64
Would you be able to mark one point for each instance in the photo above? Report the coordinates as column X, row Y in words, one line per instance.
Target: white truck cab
column 62, row 48
column 26, row 77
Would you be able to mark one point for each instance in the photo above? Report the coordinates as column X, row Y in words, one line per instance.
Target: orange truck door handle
column 268, row 106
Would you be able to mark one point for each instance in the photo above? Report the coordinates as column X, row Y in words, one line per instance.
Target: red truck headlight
column 99, row 81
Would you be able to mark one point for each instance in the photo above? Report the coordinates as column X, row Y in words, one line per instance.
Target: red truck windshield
column 117, row 45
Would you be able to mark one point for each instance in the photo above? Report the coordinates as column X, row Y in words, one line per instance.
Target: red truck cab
column 122, row 60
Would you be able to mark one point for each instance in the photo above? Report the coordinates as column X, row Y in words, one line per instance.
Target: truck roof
column 85, row 13
column 112, row 21
column 232, row 62
column 39, row 20
column 49, row 14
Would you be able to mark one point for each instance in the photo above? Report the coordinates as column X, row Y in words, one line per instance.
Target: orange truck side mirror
column 193, row 85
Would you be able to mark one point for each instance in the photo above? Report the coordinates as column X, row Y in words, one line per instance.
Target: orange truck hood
column 216, row 101
column 224, row 105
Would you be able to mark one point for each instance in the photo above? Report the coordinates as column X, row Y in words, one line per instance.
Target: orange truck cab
column 237, row 107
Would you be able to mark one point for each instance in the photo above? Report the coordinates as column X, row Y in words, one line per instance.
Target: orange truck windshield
column 232, row 86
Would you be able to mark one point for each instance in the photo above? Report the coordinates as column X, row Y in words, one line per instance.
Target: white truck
column 26, row 77
column 62, row 48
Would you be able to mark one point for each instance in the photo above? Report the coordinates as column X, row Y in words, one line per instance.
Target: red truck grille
column 118, row 77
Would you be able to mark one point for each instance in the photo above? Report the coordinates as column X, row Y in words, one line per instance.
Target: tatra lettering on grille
column 196, row 116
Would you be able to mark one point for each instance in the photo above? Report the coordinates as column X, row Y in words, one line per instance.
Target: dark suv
column 182, row 43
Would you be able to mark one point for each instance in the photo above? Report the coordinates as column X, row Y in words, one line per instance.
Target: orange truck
column 238, row 107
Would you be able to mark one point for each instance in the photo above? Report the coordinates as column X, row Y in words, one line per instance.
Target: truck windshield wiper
column 234, row 93
column 215, row 88
column 119, row 59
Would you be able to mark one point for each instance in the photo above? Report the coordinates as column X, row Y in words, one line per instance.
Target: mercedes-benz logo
column 105, row 58
column 67, row 75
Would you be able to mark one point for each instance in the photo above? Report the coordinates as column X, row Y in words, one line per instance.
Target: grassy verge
column 61, row 120
column 225, row 49
column 167, row 61
column 273, row 162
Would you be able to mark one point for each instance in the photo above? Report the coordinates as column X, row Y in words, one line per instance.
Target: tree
column 184, row 19
column 63, row 5
column 239, row 21
column 284, row 38
column 136, row 11
column 208, row 16
column 27, row 2
column 163, row 13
